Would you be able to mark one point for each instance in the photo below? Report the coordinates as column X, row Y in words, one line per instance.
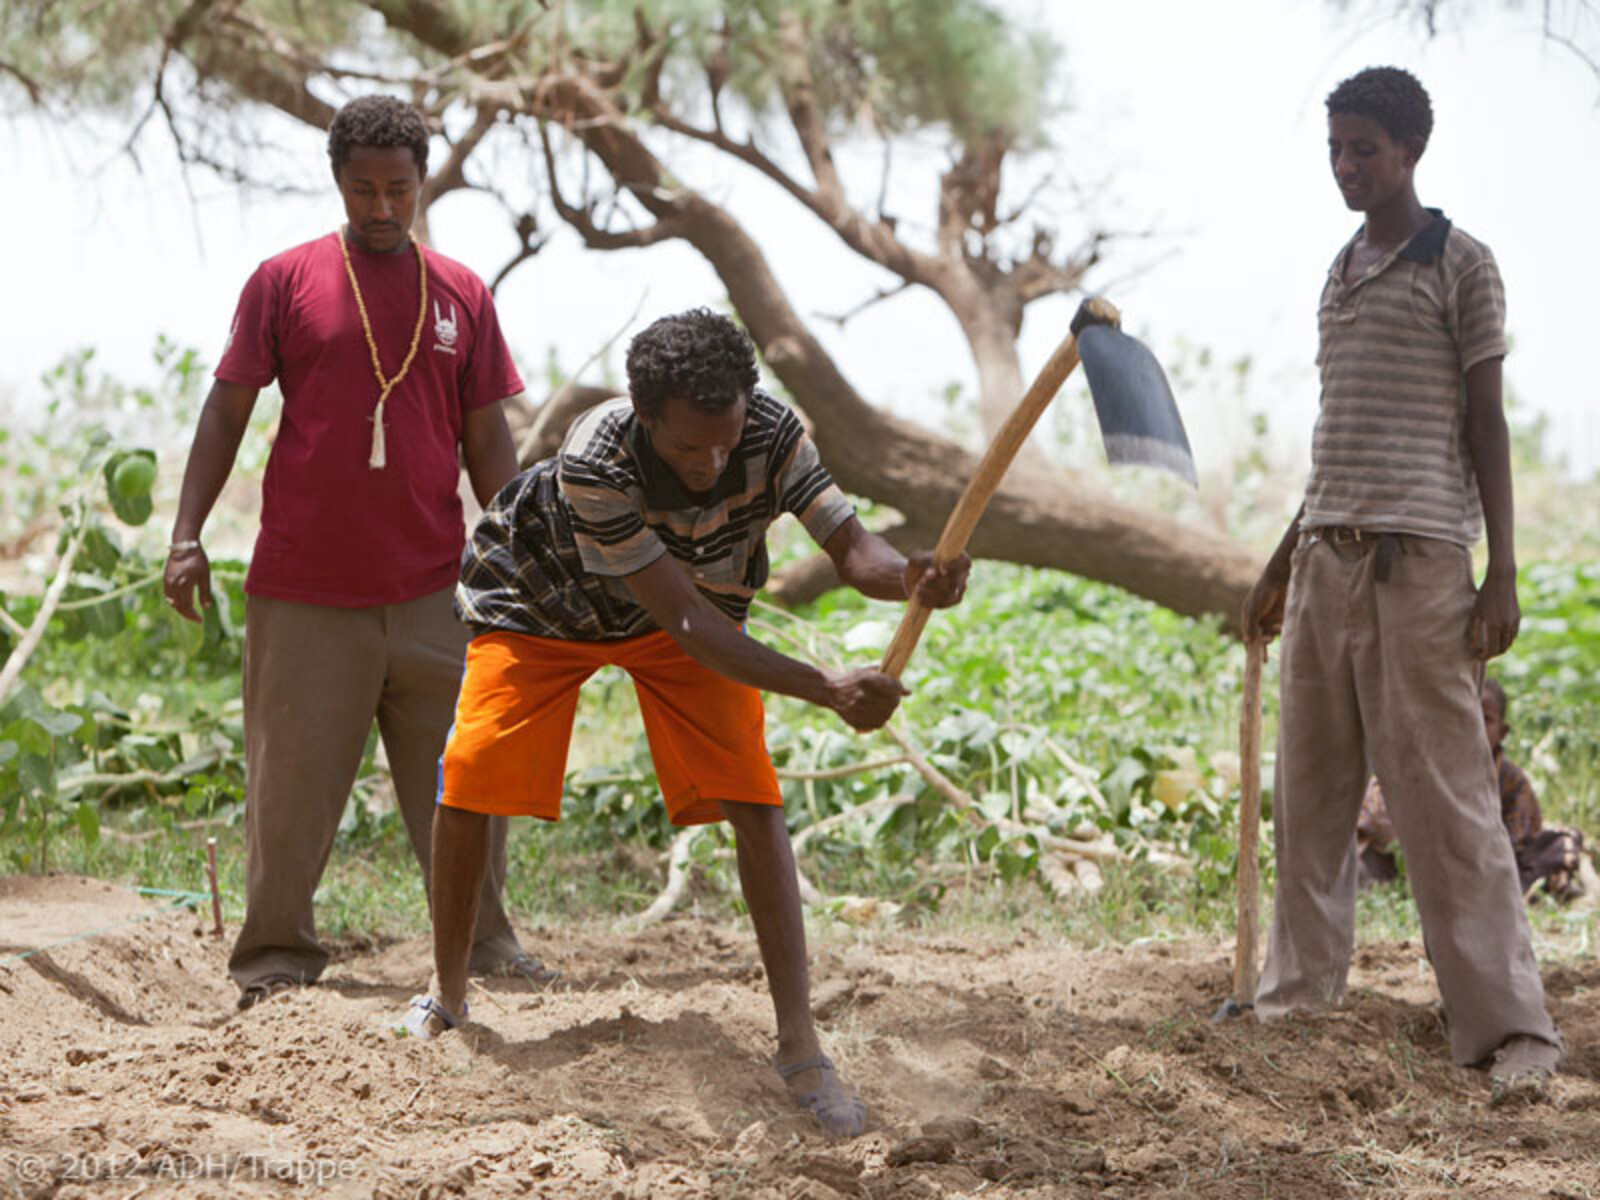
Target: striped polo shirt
column 549, row 554
column 1390, row 449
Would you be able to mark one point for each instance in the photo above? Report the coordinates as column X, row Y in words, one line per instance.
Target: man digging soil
column 641, row 545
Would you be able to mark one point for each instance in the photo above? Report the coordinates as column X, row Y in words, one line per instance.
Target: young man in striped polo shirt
column 641, row 545
column 1384, row 633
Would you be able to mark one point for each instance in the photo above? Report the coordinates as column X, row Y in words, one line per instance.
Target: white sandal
column 423, row 1007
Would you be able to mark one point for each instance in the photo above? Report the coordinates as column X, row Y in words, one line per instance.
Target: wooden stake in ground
column 1248, row 874
column 216, row 896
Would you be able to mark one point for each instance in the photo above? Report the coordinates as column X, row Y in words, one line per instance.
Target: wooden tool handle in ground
column 991, row 470
column 1248, row 876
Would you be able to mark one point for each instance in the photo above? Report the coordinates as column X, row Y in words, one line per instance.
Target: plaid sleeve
column 489, row 570
column 607, row 522
column 1478, row 315
column 803, row 484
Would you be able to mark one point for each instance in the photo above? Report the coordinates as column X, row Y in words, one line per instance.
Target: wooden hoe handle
column 991, row 470
column 1248, row 876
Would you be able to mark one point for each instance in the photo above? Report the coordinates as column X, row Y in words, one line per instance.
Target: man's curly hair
column 381, row 122
column 1390, row 96
column 699, row 355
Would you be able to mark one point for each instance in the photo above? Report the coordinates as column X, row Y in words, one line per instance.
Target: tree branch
column 1039, row 275
column 23, row 650
column 452, row 176
column 532, row 241
column 582, row 218
column 29, row 84
column 677, row 880
column 432, row 24
column 878, row 297
column 257, row 77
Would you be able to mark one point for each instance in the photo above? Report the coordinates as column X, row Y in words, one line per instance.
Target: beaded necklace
column 386, row 385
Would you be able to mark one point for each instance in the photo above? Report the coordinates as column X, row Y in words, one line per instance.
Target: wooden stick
column 986, row 481
column 1248, row 874
column 216, row 896
column 489, row 996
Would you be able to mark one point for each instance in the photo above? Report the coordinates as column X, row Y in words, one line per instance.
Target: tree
column 1573, row 25
column 604, row 96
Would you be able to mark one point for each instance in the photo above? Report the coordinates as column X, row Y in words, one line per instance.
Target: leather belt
column 1343, row 535
column 1388, row 544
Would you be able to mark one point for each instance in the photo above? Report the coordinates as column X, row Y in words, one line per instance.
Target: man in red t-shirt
column 390, row 359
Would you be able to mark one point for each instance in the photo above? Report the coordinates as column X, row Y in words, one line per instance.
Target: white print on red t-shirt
column 444, row 329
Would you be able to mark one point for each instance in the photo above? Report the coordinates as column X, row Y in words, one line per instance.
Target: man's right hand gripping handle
column 866, row 698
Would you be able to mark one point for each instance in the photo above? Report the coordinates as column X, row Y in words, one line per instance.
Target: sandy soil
column 999, row 1068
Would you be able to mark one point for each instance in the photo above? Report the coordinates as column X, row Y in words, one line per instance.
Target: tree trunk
column 992, row 333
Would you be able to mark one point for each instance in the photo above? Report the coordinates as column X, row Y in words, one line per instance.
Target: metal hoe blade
column 1139, row 419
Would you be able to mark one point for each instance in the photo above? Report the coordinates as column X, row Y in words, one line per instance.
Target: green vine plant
column 68, row 750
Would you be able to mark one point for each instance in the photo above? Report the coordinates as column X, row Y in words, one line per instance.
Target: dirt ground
column 993, row 1067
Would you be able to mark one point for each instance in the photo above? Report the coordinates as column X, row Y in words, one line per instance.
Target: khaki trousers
column 314, row 679
column 1379, row 677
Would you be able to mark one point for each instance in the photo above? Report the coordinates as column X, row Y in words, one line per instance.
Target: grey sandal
column 264, row 989
column 840, row 1111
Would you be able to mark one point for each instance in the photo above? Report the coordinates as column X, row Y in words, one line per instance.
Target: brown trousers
column 314, row 679
column 1378, row 675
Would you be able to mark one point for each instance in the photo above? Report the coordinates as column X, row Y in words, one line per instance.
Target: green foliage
column 1065, row 710
column 67, row 748
column 1552, row 682
column 103, row 54
column 1061, row 707
column 876, row 66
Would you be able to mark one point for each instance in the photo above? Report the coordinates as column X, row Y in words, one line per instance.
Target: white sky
column 1204, row 120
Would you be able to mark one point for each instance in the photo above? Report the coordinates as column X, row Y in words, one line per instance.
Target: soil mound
column 1015, row 1066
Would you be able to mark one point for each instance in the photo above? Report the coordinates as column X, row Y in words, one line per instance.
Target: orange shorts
column 507, row 753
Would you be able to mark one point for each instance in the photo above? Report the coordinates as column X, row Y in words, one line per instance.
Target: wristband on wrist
column 180, row 547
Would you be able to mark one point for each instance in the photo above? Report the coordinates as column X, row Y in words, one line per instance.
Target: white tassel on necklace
column 379, row 457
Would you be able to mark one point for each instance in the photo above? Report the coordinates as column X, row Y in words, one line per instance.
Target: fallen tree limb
column 827, row 824
column 1078, row 771
column 145, row 835
column 677, row 880
column 1058, row 877
column 1088, row 875
column 126, row 589
column 116, row 782
column 936, row 778
column 30, row 640
column 843, row 771
column 1070, row 847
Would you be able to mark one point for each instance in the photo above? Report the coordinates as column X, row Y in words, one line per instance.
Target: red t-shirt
column 335, row 531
